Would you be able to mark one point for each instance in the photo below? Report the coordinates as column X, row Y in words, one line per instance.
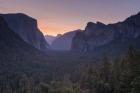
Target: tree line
column 119, row 75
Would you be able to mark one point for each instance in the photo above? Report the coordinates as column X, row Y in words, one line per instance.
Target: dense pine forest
column 117, row 75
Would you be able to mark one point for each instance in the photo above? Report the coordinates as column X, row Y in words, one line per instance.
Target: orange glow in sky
column 61, row 16
column 54, row 28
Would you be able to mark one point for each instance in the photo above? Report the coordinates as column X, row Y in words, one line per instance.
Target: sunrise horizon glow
column 61, row 16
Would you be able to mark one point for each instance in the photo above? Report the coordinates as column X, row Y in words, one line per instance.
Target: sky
column 61, row 16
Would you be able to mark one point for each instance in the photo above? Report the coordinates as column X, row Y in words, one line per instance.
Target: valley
column 100, row 59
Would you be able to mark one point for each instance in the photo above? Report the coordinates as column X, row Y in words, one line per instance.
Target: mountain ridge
column 99, row 34
column 26, row 27
column 64, row 41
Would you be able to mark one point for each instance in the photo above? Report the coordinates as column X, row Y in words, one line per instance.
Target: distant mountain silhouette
column 26, row 28
column 98, row 37
column 64, row 41
column 50, row 38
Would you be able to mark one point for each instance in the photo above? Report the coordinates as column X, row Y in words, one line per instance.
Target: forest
column 117, row 75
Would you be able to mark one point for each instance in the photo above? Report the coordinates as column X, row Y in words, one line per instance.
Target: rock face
column 17, row 56
column 63, row 42
column 26, row 28
column 98, row 36
column 13, row 47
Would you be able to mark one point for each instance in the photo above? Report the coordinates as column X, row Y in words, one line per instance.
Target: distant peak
column 133, row 18
column 17, row 15
column 78, row 30
column 138, row 14
column 99, row 23
column 21, row 14
column 59, row 35
column 90, row 23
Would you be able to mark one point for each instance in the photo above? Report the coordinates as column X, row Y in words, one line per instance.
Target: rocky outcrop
column 26, row 28
column 64, row 41
column 98, row 36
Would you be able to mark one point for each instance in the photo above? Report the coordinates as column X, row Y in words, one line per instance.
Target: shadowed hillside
column 98, row 38
column 26, row 27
